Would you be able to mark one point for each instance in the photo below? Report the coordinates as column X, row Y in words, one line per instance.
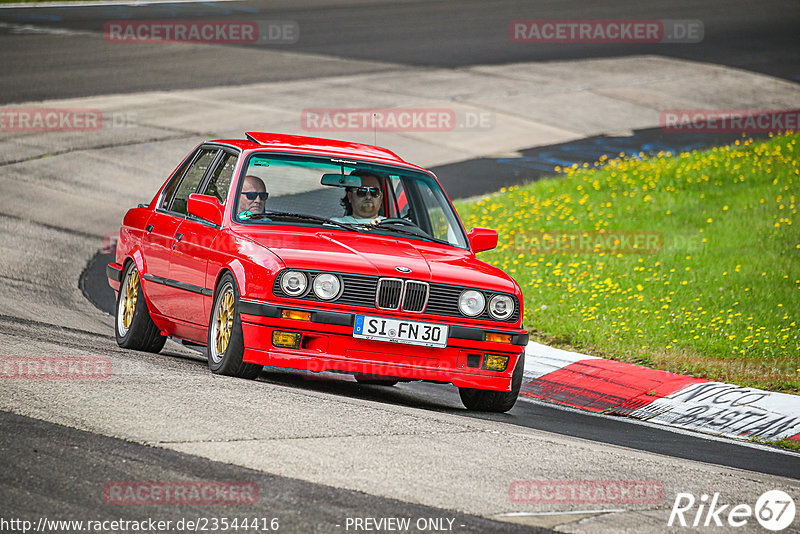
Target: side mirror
column 206, row 207
column 481, row 239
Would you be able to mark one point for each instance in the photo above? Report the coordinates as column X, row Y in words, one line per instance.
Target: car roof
column 318, row 146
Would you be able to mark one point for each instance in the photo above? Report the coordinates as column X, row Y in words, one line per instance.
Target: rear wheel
column 225, row 340
column 134, row 328
column 482, row 400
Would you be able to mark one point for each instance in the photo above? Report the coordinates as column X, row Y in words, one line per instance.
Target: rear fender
column 137, row 257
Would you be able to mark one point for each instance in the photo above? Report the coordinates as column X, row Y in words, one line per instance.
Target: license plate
column 400, row 331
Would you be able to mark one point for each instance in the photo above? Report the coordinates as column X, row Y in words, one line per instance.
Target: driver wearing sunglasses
column 253, row 196
column 362, row 204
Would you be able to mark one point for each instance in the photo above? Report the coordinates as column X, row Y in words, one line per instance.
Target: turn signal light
column 296, row 314
column 286, row 340
column 498, row 338
column 495, row 362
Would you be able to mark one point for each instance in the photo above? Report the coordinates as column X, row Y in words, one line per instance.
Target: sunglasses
column 375, row 192
column 252, row 195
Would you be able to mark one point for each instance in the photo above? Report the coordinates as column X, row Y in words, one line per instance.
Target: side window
column 398, row 202
column 190, row 181
column 441, row 222
column 220, row 181
column 169, row 191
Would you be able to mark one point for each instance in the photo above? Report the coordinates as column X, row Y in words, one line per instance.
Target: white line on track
column 30, row 29
column 132, row 3
column 571, row 512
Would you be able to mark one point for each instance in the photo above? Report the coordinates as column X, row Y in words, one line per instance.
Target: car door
column 191, row 254
column 156, row 243
column 166, row 296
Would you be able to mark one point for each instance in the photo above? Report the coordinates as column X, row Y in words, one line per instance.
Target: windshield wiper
column 422, row 233
column 302, row 217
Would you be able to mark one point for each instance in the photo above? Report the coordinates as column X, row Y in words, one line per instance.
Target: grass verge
column 688, row 263
column 784, row 443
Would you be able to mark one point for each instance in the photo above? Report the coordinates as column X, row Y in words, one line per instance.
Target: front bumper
column 114, row 275
column 327, row 344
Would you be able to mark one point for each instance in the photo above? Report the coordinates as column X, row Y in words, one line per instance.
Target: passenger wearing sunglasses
column 253, row 196
column 362, row 204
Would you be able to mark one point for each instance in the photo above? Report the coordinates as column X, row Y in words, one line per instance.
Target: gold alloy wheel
column 131, row 296
column 224, row 321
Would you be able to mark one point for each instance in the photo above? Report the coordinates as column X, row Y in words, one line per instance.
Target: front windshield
column 367, row 197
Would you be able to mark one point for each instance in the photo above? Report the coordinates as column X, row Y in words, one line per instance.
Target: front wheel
column 133, row 326
column 482, row 400
column 225, row 339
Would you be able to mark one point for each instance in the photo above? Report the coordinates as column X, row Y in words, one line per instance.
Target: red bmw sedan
column 321, row 255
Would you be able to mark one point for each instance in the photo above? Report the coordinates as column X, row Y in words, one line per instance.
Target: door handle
column 149, row 228
column 178, row 237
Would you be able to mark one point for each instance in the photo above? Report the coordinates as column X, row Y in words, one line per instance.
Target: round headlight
column 501, row 307
column 294, row 283
column 471, row 302
column 327, row 286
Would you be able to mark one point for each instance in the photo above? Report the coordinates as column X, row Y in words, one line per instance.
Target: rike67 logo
column 774, row 510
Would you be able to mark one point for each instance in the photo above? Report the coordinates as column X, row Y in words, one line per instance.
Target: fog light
column 296, row 314
column 286, row 340
column 497, row 338
column 495, row 362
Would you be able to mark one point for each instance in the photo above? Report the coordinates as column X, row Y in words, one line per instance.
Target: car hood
column 359, row 253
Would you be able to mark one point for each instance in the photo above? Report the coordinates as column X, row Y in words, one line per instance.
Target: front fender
column 254, row 280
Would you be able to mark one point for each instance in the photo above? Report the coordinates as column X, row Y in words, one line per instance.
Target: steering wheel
column 397, row 220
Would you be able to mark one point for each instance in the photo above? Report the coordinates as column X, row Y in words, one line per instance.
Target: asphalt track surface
column 40, row 63
column 60, row 473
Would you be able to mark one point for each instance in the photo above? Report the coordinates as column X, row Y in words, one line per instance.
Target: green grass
column 718, row 297
column 784, row 443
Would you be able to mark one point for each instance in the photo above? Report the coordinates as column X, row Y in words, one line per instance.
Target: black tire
column 482, row 400
column 225, row 350
column 374, row 380
column 133, row 326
